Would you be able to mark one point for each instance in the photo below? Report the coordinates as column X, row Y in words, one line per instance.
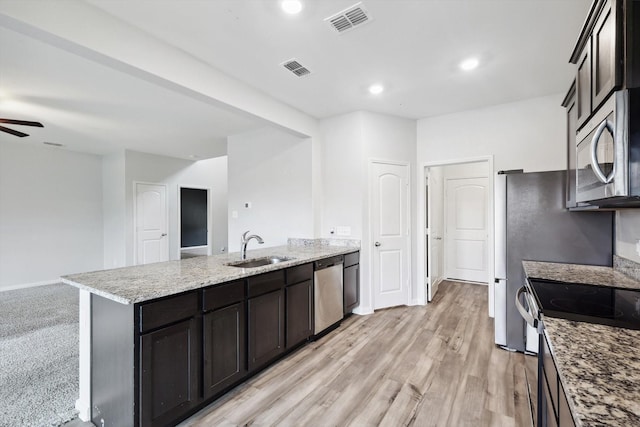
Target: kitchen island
column 598, row 366
column 159, row 341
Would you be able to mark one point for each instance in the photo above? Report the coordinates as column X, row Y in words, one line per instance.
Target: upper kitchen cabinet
column 583, row 85
column 605, row 59
column 607, row 54
column 570, row 105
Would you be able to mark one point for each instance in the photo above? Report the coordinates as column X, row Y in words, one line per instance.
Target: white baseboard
column 415, row 301
column 29, row 285
column 362, row 311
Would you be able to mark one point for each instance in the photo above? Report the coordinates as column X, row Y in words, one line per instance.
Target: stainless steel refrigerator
column 531, row 223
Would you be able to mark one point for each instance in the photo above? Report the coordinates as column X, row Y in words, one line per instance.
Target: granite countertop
column 129, row 285
column 599, row 368
column 576, row 273
column 598, row 365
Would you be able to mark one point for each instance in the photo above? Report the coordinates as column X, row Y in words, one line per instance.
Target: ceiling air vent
column 296, row 68
column 349, row 18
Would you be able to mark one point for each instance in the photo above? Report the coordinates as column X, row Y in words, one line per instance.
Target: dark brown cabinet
column 605, row 57
column 572, row 121
column 299, row 313
column 552, row 399
column 351, row 281
column 170, row 372
column 224, row 336
column 266, row 314
column 156, row 362
column 583, row 85
column 598, row 56
column 299, row 304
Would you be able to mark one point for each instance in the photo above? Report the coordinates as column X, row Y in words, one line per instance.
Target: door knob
column 163, row 234
column 377, row 244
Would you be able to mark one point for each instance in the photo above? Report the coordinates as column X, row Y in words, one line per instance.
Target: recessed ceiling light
column 376, row 89
column 291, row 6
column 469, row 64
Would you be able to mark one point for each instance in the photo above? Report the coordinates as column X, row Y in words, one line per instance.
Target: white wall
column 50, row 213
column 149, row 168
column 272, row 170
column 114, row 210
column 344, row 171
column 527, row 135
column 350, row 142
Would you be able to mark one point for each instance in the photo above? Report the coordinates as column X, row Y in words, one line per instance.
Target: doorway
column 150, row 223
column 390, row 232
column 441, row 183
column 195, row 221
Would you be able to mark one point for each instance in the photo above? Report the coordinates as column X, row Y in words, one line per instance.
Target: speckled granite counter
column 575, row 273
column 598, row 365
column 141, row 283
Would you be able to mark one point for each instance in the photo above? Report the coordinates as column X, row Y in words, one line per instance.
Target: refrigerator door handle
column 528, row 317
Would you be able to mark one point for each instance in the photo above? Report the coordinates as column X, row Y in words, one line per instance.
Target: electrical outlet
column 343, row 230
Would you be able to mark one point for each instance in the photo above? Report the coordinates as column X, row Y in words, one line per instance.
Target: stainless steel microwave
column 608, row 153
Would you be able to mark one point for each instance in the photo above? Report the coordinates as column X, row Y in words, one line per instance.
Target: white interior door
column 152, row 244
column 466, row 224
column 390, row 234
column 434, row 231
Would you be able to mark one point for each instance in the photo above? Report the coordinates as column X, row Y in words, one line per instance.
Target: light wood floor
column 417, row 366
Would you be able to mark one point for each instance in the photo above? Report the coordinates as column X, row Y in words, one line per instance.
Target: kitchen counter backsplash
column 350, row 243
column 626, row 267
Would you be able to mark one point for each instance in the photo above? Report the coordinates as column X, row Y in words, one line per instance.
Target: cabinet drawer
column 223, row 295
column 352, row 259
column 299, row 274
column 166, row 311
column 264, row 283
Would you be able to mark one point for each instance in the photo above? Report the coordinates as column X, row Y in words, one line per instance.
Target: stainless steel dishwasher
column 328, row 296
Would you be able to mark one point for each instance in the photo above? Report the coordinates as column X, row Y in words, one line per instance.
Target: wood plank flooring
column 407, row 366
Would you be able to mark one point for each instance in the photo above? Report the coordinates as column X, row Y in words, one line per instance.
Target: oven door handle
column 594, row 152
column 528, row 317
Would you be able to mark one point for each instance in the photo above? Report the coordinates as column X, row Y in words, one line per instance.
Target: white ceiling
column 413, row 47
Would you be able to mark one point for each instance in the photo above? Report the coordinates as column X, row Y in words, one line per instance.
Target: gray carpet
column 38, row 356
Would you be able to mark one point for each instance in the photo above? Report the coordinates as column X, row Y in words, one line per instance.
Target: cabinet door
column 266, row 328
column 606, row 74
column 170, row 361
column 299, row 312
column 351, row 288
column 583, row 85
column 572, row 119
column 565, row 419
column 225, row 359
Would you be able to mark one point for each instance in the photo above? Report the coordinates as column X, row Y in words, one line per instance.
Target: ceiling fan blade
column 13, row 132
column 21, row 122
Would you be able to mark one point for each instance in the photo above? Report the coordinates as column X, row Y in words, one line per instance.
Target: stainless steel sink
column 259, row 262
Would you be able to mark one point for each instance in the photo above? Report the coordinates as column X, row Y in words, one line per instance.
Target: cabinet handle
column 594, row 152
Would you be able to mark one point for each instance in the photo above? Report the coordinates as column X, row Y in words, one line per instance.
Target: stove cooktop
column 588, row 303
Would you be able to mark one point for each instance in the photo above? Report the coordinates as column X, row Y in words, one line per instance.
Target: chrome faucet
column 244, row 240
